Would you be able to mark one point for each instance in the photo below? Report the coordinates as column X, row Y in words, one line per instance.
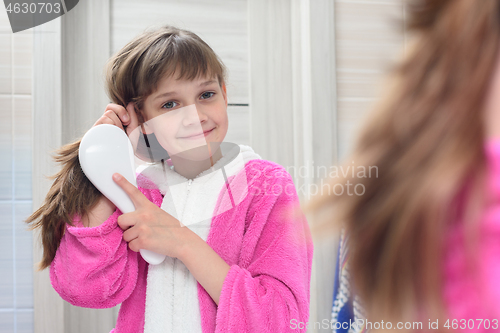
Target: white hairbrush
column 104, row 150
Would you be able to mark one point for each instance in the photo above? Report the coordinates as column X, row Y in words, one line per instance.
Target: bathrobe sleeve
column 268, row 291
column 94, row 267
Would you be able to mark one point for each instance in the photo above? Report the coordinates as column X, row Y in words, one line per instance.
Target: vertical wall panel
column 6, row 262
column 324, row 82
column 85, row 51
column 5, row 62
column 370, row 36
column 4, row 22
column 6, row 147
column 24, row 323
column 6, row 323
column 22, row 44
column 5, row 53
column 22, row 146
column 48, row 305
column 271, row 80
column 16, row 283
column 24, row 258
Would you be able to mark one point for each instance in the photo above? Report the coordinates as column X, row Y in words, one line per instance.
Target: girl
column 424, row 238
column 245, row 268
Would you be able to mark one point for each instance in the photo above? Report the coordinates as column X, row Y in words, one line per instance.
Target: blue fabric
column 346, row 308
column 345, row 313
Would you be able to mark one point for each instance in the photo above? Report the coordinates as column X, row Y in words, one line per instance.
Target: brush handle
column 151, row 257
column 105, row 150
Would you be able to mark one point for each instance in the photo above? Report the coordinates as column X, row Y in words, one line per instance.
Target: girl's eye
column 207, row 94
column 169, row 105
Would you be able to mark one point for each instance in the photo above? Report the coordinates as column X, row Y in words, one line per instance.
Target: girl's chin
column 197, row 152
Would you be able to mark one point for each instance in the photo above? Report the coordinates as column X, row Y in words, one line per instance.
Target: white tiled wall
column 16, row 262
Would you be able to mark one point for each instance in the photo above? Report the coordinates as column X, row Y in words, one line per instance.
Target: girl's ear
column 225, row 92
column 140, row 117
column 145, row 128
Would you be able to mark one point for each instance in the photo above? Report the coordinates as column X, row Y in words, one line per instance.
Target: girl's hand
column 151, row 228
column 119, row 116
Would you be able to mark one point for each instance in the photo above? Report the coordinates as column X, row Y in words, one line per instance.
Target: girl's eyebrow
column 164, row 95
column 206, row 83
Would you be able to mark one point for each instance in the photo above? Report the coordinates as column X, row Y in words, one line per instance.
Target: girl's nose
column 193, row 115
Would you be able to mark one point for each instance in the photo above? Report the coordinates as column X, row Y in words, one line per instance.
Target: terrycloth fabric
column 473, row 292
column 172, row 295
column 268, row 249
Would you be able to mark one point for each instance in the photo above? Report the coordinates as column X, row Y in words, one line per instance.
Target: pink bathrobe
column 472, row 284
column 268, row 249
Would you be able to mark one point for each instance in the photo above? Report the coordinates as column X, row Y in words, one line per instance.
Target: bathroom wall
column 16, row 262
column 302, row 76
column 369, row 37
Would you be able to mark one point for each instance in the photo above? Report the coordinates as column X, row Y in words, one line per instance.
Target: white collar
column 232, row 155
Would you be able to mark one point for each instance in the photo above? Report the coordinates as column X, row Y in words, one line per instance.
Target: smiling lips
column 199, row 135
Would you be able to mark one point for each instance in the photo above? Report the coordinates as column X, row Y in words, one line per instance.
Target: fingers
column 109, row 117
column 120, row 112
column 115, row 115
column 133, row 192
column 134, row 245
column 116, row 121
column 125, row 222
column 131, row 234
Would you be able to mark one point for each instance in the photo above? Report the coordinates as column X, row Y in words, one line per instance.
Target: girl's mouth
column 199, row 135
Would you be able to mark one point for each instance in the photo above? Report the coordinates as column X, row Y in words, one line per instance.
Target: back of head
column 425, row 136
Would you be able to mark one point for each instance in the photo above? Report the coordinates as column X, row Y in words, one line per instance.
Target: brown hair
column 132, row 74
column 425, row 136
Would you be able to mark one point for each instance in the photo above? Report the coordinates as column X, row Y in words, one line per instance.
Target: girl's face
column 186, row 114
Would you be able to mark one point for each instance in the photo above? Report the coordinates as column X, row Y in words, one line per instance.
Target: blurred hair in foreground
column 426, row 138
